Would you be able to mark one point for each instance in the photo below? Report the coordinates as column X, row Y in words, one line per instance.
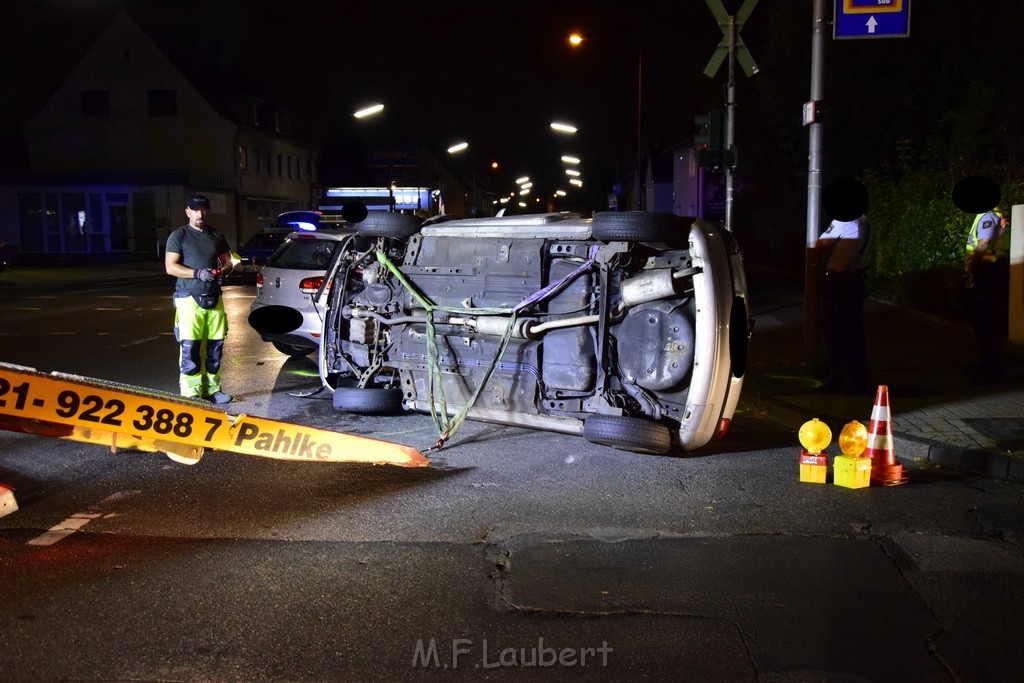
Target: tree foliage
column 920, row 235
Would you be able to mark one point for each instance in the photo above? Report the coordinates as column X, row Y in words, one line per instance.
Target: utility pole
column 812, row 267
column 730, row 122
column 730, row 46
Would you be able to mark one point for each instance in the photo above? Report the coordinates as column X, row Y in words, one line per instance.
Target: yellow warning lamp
column 815, row 436
column 853, row 439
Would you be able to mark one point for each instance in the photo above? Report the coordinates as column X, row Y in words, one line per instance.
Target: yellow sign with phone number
column 90, row 409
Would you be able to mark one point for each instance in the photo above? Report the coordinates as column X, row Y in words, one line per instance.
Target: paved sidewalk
column 938, row 419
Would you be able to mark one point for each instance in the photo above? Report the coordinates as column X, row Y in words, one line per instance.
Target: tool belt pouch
column 206, row 301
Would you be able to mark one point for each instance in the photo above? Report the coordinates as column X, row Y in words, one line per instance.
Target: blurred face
column 196, row 217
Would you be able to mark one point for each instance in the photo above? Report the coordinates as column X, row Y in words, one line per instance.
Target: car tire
column 627, row 433
column 292, row 349
column 638, row 226
column 371, row 401
column 385, row 224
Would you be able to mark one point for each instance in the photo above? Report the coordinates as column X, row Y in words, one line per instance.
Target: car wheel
column 627, row 433
column 638, row 226
column 292, row 349
column 372, row 400
column 386, row 224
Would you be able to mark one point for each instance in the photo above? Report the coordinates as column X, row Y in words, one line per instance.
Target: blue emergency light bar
column 305, row 221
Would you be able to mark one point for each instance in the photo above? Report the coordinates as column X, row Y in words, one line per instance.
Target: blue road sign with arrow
column 872, row 19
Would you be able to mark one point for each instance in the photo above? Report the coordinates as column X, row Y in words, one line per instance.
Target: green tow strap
column 446, row 427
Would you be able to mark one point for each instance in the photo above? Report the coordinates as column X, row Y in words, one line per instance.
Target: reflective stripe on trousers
column 192, row 325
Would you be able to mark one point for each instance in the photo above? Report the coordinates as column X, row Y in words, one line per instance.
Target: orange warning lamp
column 815, row 436
column 853, row 439
column 851, row 470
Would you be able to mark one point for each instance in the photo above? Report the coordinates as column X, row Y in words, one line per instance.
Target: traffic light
column 702, row 133
column 717, row 130
column 710, row 140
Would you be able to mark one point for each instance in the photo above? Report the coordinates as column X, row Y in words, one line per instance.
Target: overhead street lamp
column 563, row 127
column 576, row 40
column 369, row 111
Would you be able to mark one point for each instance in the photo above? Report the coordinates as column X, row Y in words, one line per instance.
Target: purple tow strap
column 555, row 286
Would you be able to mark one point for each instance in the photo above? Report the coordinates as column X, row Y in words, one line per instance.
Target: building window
column 96, row 103
column 259, row 157
column 280, row 166
column 162, row 102
column 289, row 168
column 243, row 158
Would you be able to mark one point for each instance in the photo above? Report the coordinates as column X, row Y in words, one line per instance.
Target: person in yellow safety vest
column 986, row 278
column 199, row 256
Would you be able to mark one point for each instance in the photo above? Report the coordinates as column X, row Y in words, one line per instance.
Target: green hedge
column 918, row 245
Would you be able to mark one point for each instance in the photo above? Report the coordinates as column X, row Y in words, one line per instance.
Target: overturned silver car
column 629, row 329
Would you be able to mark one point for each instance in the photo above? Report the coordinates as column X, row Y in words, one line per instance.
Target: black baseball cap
column 198, row 201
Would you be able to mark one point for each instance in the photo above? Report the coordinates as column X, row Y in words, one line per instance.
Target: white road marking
column 64, row 529
column 78, row 520
column 137, row 342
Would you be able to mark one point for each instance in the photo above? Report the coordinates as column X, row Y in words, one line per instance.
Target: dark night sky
column 496, row 74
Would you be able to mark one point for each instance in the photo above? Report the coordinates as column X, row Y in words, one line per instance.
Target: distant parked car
column 254, row 252
column 286, row 312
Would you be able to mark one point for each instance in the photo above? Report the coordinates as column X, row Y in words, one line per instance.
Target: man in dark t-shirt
column 198, row 256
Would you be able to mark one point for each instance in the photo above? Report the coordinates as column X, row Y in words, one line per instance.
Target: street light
column 369, row 111
column 563, row 127
column 575, row 40
column 458, row 147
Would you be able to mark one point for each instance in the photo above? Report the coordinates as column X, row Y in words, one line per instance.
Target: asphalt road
column 517, row 555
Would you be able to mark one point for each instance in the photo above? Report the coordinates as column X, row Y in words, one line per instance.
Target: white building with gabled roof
column 128, row 136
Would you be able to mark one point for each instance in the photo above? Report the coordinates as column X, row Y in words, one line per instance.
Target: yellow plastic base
column 853, row 473
column 813, row 467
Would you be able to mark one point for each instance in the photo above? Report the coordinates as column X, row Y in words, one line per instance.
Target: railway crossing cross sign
column 722, row 50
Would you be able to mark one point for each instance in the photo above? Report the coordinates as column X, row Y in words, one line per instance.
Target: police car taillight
column 259, row 280
column 311, row 285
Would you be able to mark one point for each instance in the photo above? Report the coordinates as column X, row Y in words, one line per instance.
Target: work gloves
column 204, row 274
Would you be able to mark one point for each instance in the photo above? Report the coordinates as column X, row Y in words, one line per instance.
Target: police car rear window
column 303, row 255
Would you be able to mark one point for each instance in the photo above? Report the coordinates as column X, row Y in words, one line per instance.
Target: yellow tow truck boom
column 100, row 412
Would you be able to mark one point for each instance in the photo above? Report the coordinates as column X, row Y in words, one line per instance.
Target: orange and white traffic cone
column 884, row 468
column 7, row 502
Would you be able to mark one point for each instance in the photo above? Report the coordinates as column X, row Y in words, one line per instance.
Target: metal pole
column 730, row 121
column 816, row 133
column 637, row 203
column 812, row 263
column 1016, row 300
